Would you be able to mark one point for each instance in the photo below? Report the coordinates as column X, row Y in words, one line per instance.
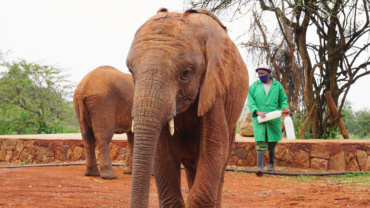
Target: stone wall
column 318, row 154
column 23, row 151
column 340, row 156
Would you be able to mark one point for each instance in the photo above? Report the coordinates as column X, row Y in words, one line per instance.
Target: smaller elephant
column 103, row 103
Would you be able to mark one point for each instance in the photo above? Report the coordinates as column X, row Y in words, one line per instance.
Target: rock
column 321, row 150
column 246, row 124
column 349, row 152
column 367, row 167
column 24, row 154
column 2, row 154
column 250, row 147
column 9, row 155
column 78, row 152
column 49, row 153
column 279, row 151
column 352, row 165
column 15, row 154
column 337, row 162
column 283, row 163
column 32, row 149
column 361, row 158
column 70, row 155
column 121, row 154
column 302, row 159
column 242, row 162
column 335, row 149
column 113, row 154
column 70, row 152
column 9, row 144
column 61, row 153
column 287, row 157
column 241, row 154
column 294, row 149
column 250, row 161
column 319, row 164
column 40, row 155
column 20, row 145
column 17, row 162
column 30, row 158
column 48, row 160
column 72, row 146
column 239, row 145
column 233, row 160
column 252, row 158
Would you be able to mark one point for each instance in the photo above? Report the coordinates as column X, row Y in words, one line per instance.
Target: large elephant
column 190, row 80
column 103, row 104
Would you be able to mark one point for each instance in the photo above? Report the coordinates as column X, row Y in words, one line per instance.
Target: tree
column 338, row 49
column 279, row 55
column 33, row 98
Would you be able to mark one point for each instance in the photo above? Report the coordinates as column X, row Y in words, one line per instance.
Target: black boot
column 260, row 161
column 271, row 166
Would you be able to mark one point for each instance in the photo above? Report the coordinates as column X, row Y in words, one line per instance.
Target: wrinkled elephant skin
column 185, row 67
column 103, row 104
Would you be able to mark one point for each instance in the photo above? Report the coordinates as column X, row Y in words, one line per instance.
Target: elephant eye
column 185, row 75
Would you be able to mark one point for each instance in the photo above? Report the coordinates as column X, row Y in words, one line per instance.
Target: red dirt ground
column 67, row 187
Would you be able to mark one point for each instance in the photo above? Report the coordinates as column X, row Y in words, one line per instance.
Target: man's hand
column 261, row 114
column 287, row 111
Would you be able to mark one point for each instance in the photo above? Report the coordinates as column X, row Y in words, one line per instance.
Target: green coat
column 257, row 101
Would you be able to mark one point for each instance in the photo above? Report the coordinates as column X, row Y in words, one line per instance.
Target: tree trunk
column 334, row 113
column 308, row 83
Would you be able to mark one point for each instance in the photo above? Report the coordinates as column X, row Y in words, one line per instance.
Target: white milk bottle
column 289, row 128
column 269, row 116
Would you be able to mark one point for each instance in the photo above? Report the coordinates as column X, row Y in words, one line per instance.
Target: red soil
column 67, row 187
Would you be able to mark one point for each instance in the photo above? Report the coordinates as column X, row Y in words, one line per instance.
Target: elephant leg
column 190, row 171
column 91, row 165
column 167, row 170
column 130, row 146
column 105, row 163
column 231, row 142
column 213, row 155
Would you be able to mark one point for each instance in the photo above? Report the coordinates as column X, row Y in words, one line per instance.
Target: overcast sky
column 84, row 34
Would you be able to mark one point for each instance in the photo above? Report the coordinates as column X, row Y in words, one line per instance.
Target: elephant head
column 177, row 60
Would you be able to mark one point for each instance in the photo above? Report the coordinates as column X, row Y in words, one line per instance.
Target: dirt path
column 67, row 187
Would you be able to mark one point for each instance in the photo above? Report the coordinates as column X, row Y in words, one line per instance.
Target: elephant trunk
column 149, row 118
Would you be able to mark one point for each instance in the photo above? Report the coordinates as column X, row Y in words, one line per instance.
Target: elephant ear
column 161, row 13
column 221, row 61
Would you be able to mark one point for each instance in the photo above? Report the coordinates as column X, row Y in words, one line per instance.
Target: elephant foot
column 127, row 170
column 94, row 172
column 108, row 175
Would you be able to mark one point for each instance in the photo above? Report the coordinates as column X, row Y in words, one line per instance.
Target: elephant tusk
column 171, row 124
column 132, row 127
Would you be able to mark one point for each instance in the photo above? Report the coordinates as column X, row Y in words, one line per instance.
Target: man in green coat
column 266, row 95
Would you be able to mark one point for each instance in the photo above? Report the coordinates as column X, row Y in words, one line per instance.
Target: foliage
column 357, row 122
column 298, row 120
column 33, row 99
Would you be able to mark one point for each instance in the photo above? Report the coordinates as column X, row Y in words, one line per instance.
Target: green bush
column 34, row 99
column 357, row 122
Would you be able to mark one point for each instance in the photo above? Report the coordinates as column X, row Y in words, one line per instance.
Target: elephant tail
column 78, row 102
column 81, row 116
